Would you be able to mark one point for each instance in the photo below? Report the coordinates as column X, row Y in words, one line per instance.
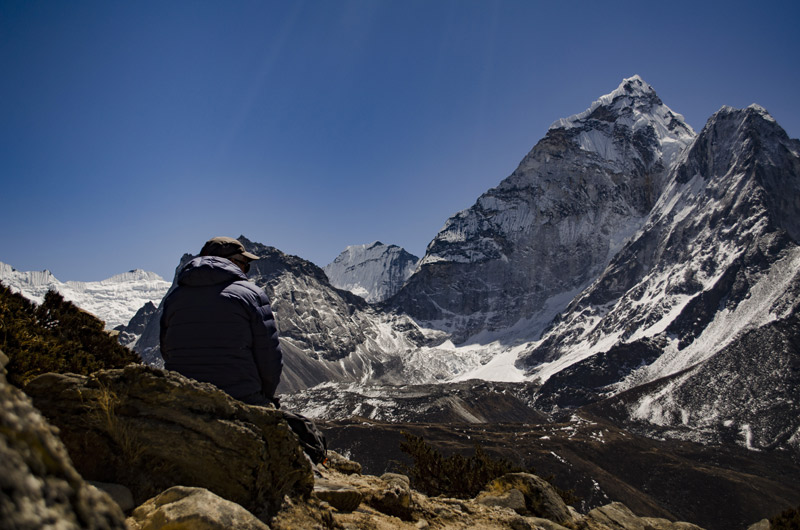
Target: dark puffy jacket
column 217, row 327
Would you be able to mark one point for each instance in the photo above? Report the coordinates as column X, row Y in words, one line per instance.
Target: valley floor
column 716, row 487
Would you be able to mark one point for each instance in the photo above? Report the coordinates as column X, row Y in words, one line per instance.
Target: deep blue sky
column 131, row 132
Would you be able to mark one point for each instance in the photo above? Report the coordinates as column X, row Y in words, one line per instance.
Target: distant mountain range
column 629, row 266
column 114, row 300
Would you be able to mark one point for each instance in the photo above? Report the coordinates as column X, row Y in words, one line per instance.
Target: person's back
column 218, row 328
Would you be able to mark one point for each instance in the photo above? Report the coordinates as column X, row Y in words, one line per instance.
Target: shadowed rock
column 539, row 497
column 39, row 486
column 149, row 430
column 343, row 498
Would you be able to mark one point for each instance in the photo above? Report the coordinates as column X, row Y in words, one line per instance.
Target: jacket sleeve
column 266, row 347
column 162, row 332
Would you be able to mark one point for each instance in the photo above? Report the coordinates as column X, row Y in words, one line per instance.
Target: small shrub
column 56, row 336
column 459, row 476
column 787, row 520
column 452, row 476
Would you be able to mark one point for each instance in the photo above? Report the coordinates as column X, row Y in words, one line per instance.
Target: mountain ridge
column 624, row 249
column 114, row 300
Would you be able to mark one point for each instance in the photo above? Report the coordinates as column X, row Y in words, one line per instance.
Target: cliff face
column 327, row 334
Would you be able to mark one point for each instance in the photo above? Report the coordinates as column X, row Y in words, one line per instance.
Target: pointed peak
column 758, row 108
column 631, row 89
column 633, row 85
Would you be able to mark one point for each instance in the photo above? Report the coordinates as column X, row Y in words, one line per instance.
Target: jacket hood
column 209, row 270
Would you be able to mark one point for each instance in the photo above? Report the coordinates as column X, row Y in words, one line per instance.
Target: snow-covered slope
column 711, row 280
column 374, row 272
column 548, row 230
column 115, row 300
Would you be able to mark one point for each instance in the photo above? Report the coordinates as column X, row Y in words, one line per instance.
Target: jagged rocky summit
column 528, row 246
column 375, row 271
column 129, row 333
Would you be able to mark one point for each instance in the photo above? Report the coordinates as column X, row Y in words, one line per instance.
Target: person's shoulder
column 248, row 290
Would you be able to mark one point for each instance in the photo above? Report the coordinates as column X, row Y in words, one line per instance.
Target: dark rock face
column 149, row 430
column 39, row 486
column 586, row 381
column 311, row 314
column 130, row 333
column 748, row 393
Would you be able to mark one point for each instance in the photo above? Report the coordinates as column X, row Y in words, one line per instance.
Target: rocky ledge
column 149, row 429
column 168, row 452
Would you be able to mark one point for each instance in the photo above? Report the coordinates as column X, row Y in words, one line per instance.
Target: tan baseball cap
column 225, row 247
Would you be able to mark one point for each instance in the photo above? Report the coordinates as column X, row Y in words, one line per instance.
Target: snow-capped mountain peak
column 551, row 226
column 636, row 106
column 631, row 88
column 374, row 271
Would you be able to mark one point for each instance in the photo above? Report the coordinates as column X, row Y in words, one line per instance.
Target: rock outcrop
column 516, row 501
column 39, row 487
column 149, row 429
column 196, row 459
column 617, row 516
column 538, row 497
column 182, row 508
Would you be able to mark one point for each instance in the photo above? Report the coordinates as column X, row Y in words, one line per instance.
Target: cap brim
column 250, row 256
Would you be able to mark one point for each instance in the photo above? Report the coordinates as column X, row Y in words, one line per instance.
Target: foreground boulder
column 182, row 508
column 39, row 487
column 617, row 516
column 149, row 430
column 527, row 494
